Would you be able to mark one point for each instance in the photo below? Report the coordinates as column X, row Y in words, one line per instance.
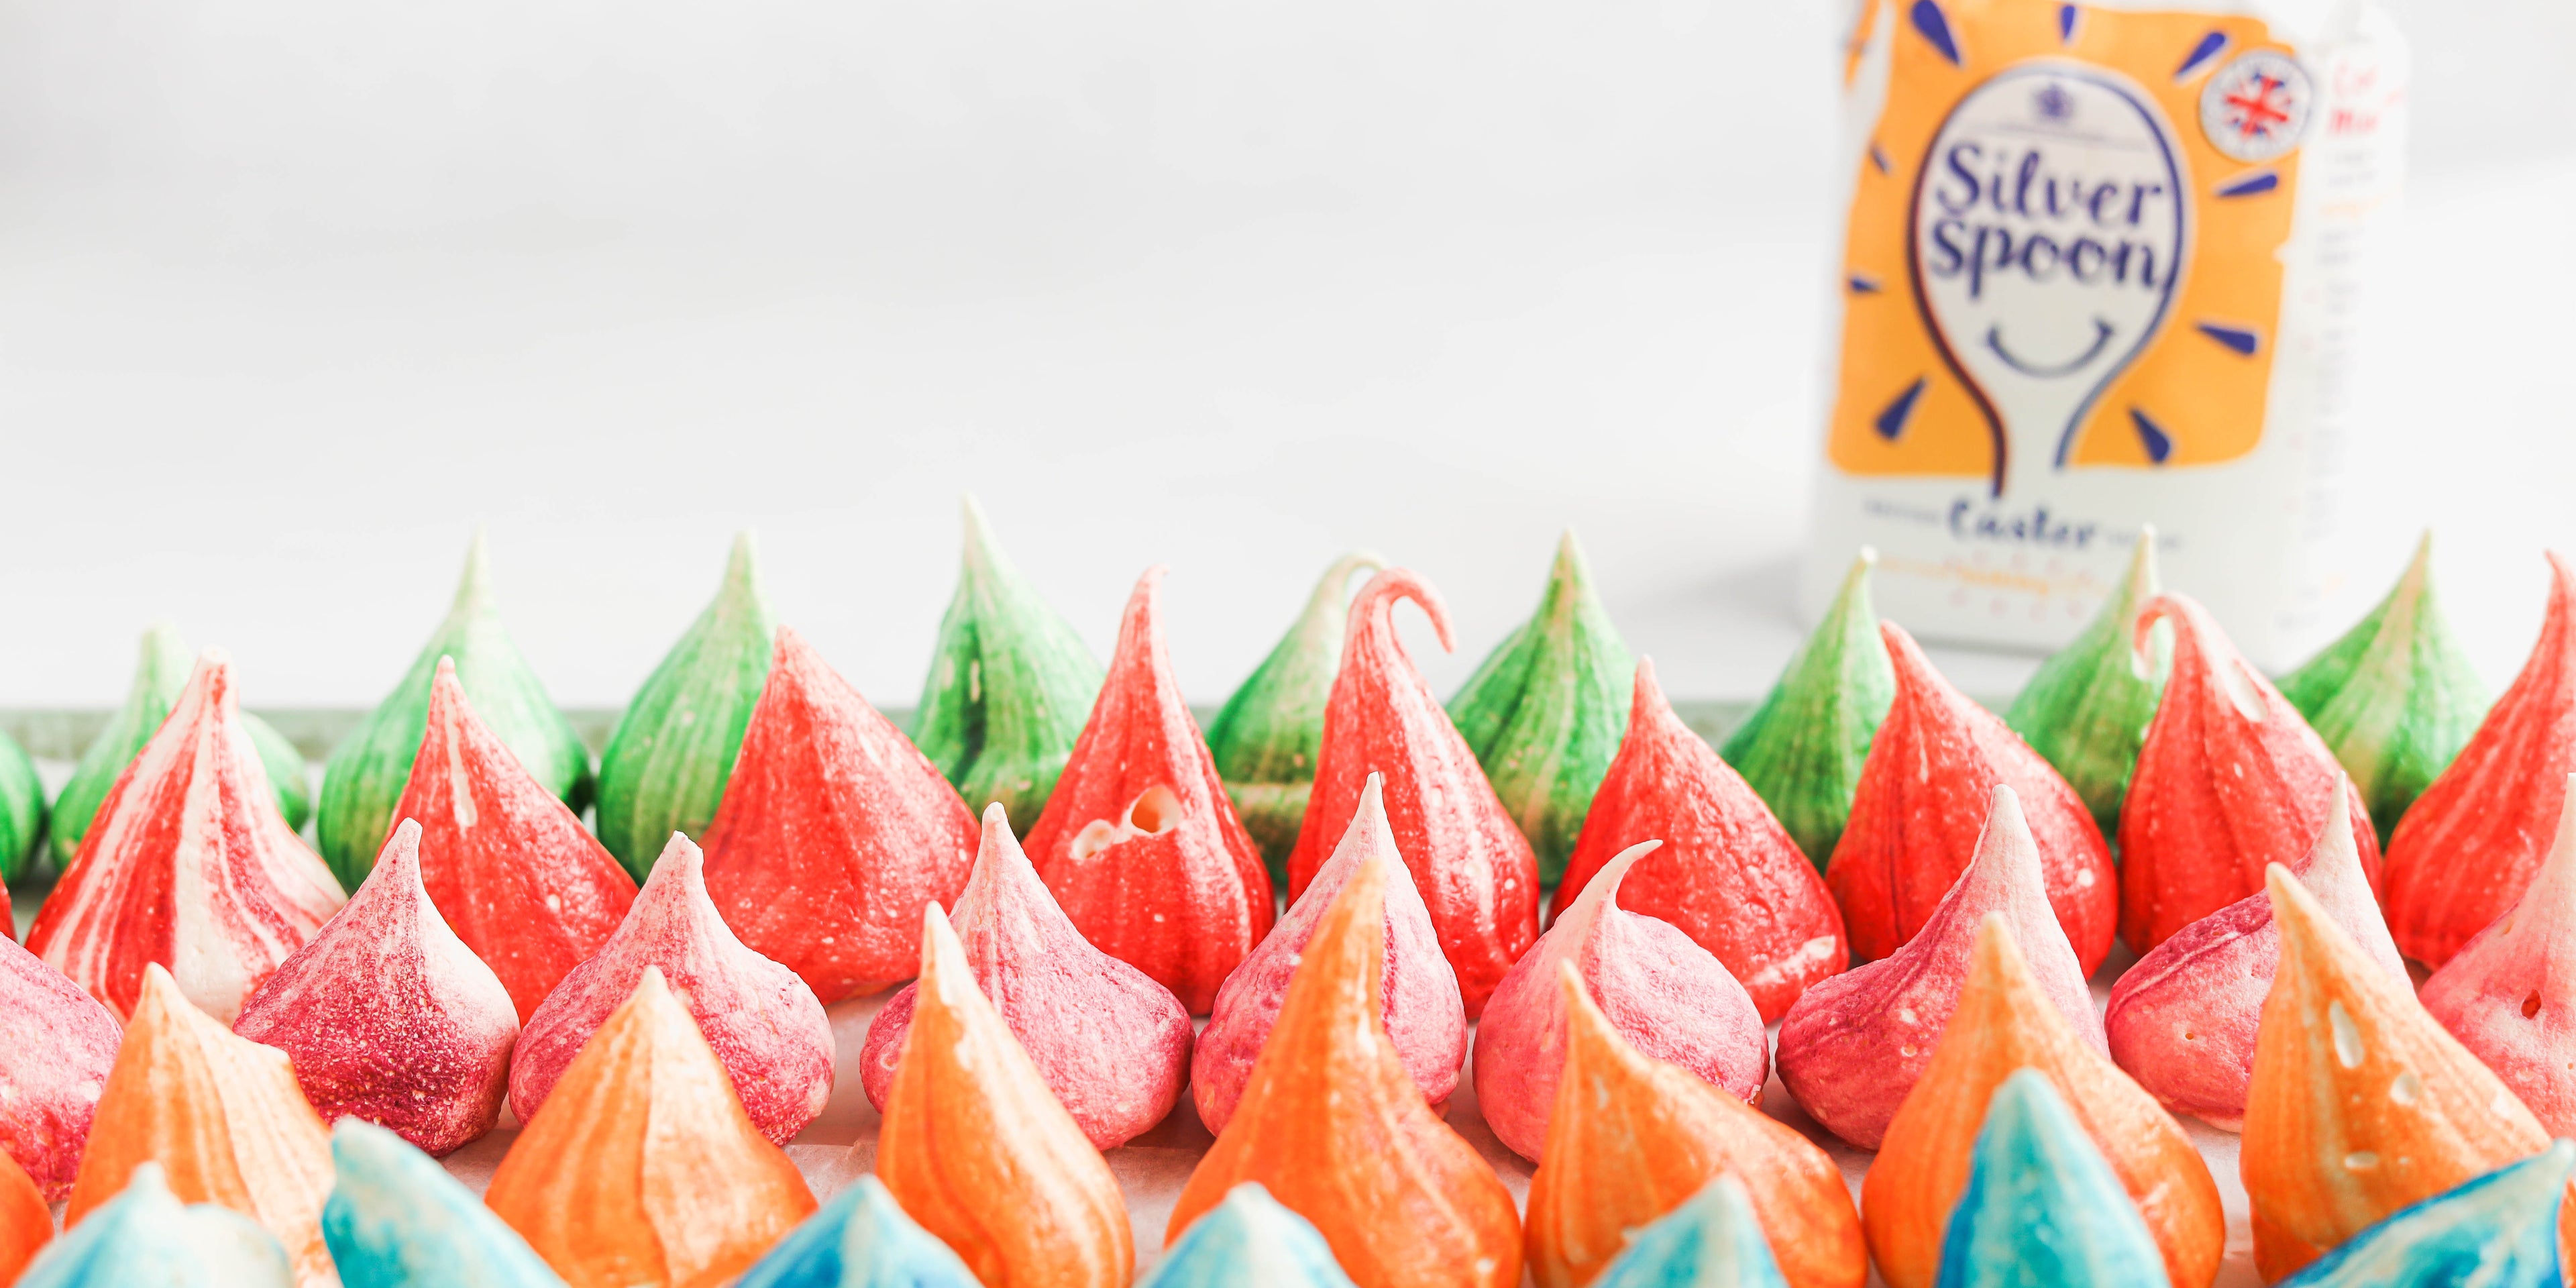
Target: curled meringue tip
column 1334, row 588
column 1375, row 605
column 1602, row 891
column 1862, row 562
column 742, row 560
column 997, row 819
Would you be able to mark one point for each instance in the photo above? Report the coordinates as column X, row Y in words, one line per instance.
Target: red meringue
column 1855, row 1044
column 1473, row 867
column 1139, row 841
column 189, row 865
column 2228, row 781
column 2467, row 847
column 835, row 832
column 1670, row 998
column 56, row 1045
column 1421, row 1007
column 763, row 1023
column 388, row 1016
column 1728, row 876
column 508, row 865
column 1922, row 806
column 2182, row 1020
column 2509, row 995
column 1113, row 1045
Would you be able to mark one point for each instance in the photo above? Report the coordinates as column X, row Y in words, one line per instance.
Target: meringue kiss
column 1667, row 996
column 1922, row 806
column 834, row 833
column 1113, row 1045
column 762, row 1022
column 1139, row 841
column 1418, row 993
column 1474, row 869
column 2182, row 1020
column 1728, row 874
column 388, row 1016
column 1853, row 1047
column 187, row 865
column 509, row 866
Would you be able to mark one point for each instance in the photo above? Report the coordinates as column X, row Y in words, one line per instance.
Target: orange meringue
column 641, row 1167
column 979, row 1152
column 1335, row 1128
column 2360, row 1103
column 26, row 1224
column 1633, row 1137
column 2005, row 1022
column 223, row 1117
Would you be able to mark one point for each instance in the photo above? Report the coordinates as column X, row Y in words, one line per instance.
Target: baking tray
column 840, row 1146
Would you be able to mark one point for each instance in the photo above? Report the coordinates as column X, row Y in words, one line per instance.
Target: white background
column 294, row 292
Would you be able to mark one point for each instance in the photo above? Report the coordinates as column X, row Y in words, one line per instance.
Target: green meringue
column 366, row 774
column 159, row 674
column 2395, row 698
column 22, row 811
column 2088, row 706
column 665, row 766
column 1545, row 710
column 1010, row 685
column 1801, row 750
column 1266, row 739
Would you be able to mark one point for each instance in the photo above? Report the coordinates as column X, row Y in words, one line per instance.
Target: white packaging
column 2101, row 268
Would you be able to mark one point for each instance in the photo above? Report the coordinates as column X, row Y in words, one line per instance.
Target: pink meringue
column 388, row 1016
column 1854, row 1044
column 2182, row 1020
column 1423, row 1011
column 56, row 1045
column 1670, row 998
column 761, row 1019
column 2509, row 994
column 1113, row 1045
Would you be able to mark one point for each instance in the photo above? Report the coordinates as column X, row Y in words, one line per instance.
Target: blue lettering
column 1944, row 240
column 1961, row 157
column 2076, row 265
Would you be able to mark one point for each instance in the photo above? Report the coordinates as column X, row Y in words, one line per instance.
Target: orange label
column 2064, row 251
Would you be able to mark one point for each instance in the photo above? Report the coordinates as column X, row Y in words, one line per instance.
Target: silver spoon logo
column 2048, row 239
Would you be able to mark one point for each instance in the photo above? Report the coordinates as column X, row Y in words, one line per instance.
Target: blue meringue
column 2499, row 1230
column 144, row 1236
column 396, row 1219
column 2042, row 1206
column 860, row 1239
column 1249, row 1241
column 1712, row 1241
